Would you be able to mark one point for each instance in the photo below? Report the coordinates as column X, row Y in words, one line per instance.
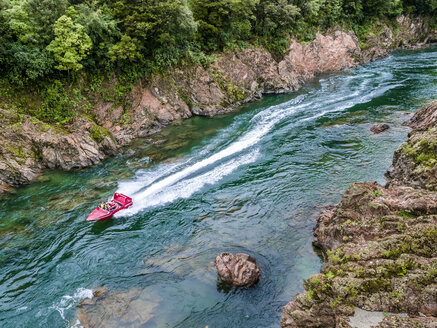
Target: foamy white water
column 165, row 183
column 186, row 187
column 68, row 301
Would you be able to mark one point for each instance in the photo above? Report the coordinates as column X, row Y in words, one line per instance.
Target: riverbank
column 379, row 246
column 28, row 146
column 251, row 181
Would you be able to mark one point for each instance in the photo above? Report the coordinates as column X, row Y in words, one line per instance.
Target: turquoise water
column 253, row 181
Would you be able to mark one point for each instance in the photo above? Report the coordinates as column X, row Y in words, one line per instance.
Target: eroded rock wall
column 28, row 146
column 379, row 245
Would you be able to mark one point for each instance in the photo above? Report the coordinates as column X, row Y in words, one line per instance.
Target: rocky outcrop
column 232, row 80
column 410, row 33
column 414, row 162
column 237, row 269
column 116, row 309
column 380, row 248
column 27, row 146
column 378, row 128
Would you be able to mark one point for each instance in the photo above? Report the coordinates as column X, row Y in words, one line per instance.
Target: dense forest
column 53, row 40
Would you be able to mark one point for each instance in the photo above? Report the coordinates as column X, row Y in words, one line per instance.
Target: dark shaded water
column 253, row 182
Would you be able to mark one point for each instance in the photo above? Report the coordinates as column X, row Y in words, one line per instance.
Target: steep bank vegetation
column 54, row 54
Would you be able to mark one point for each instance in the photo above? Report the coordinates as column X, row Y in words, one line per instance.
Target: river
column 252, row 181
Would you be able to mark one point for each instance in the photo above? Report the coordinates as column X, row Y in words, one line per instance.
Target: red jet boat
column 106, row 210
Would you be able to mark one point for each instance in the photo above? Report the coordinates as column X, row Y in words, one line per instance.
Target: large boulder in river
column 237, row 269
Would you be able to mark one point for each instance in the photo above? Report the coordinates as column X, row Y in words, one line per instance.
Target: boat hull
column 100, row 214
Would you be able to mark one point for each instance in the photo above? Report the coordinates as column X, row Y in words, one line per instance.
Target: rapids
column 252, row 181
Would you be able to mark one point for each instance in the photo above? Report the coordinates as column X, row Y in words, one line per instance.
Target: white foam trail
column 263, row 122
column 349, row 104
column 68, row 301
column 185, row 188
column 147, row 177
column 169, row 182
column 144, row 178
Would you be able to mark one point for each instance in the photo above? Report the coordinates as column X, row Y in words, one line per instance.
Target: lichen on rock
column 379, row 245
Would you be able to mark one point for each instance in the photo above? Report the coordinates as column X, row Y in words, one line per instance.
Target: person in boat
column 104, row 206
column 111, row 206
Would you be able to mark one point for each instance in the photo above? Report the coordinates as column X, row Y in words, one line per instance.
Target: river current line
column 252, row 181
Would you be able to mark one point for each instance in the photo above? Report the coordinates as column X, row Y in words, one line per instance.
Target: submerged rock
column 131, row 308
column 237, row 269
column 378, row 128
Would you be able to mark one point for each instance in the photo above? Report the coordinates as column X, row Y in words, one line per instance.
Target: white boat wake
column 166, row 183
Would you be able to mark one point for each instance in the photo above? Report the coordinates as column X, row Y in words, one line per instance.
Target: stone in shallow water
column 106, row 309
column 237, row 269
column 378, row 128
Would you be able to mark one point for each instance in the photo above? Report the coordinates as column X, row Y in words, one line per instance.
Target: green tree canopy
column 42, row 39
column 71, row 44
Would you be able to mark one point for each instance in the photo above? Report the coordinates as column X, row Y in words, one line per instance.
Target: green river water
column 253, row 181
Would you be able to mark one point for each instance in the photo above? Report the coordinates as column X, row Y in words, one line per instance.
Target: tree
column 71, row 44
column 161, row 29
column 223, row 22
column 353, row 10
column 381, row 8
column 275, row 18
column 103, row 30
column 274, row 23
column 427, row 7
column 42, row 15
column 126, row 49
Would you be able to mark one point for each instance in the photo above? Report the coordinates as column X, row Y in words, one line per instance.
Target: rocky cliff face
column 410, row 33
column 234, row 79
column 379, row 245
column 414, row 162
column 28, row 146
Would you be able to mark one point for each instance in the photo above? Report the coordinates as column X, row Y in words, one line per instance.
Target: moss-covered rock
column 415, row 161
column 379, row 245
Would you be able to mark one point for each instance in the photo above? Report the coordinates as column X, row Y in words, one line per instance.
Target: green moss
column 184, row 96
column 37, row 152
column 426, row 159
column 422, row 152
column 317, row 286
column 338, row 257
column 96, row 134
column 392, row 253
column 310, row 295
column 376, row 285
column 422, row 243
column 17, row 152
column 329, row 275
column 335, row 303
column 398, row 268
column 409, row 149
column 125, row 118
column 405, row 214
column 233, row 92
